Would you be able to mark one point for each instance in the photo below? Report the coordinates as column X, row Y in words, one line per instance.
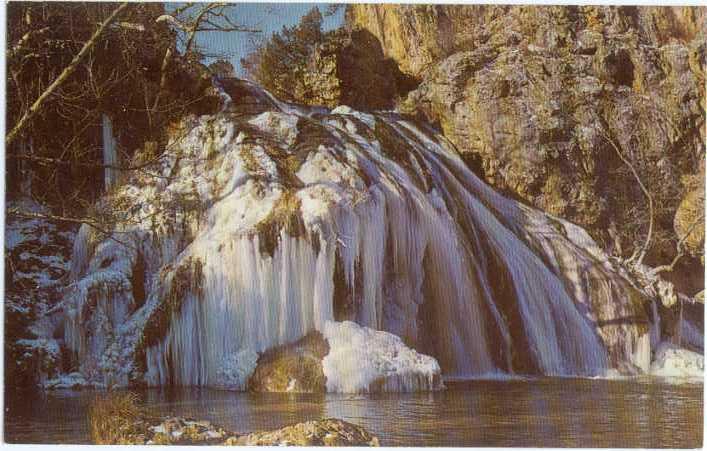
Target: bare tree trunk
column 651, row 213
column 163, row 82
column 37, row 105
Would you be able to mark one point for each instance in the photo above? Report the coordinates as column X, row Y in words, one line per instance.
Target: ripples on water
column 543, row 412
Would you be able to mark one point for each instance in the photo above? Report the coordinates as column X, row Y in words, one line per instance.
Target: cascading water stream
column 308, row 216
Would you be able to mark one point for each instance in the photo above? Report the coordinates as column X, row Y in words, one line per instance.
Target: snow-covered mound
column 674, row 362
column 362, row 360
column 264, row 222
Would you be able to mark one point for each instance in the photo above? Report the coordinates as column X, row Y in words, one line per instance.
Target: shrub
column 113, row 418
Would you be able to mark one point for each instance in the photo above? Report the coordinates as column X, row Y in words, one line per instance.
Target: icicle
column 110, row 152
column 254, row 302
column 81, row 254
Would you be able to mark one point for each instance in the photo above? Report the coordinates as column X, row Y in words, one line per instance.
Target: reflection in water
column 543, row 412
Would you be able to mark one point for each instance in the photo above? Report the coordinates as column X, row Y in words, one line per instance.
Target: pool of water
column 540, row 412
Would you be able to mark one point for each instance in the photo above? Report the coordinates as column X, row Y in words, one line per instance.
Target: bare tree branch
column 37, row 105
column 191, row 28
column 88, row 221
column 24, row 40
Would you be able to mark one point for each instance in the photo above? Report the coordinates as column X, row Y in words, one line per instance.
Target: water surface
column 542, row 412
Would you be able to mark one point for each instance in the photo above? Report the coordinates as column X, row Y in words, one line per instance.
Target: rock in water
column 327, row 432
column 184, row 431
column 345, row 358
column 267, row 221
column 295, row 367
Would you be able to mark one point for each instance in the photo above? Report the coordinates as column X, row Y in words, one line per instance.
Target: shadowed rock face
column 527, row 94
column 349, row 68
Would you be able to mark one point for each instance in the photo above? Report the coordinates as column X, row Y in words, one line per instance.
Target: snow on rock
column 674, row 362
column 71, row 380
column 281, row 126
column 237, row 368
column 362, row 360
column 36, row 248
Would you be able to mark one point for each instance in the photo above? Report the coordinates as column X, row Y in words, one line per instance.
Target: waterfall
column 306, row 216
column 110, row 152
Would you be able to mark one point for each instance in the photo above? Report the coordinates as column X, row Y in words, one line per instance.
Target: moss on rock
column 296, row 367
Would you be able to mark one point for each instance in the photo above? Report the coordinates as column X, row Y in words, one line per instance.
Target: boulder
column 345, row 358
column 292, row 368
column 186, row 432
column 326, row 432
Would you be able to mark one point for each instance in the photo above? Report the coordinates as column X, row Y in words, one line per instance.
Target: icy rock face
column 37, row 258
column 266, row 221
column 363, row 360
column 674, row 362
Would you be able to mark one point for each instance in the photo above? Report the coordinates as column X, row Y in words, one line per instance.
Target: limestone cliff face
column 546, row 102
column 417, row 36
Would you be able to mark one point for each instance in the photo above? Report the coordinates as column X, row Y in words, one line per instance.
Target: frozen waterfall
column 266, row 221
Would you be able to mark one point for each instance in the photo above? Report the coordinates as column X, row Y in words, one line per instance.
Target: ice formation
column 674, row 362
column 110, row 152
column 365, row 360
column 266, row 221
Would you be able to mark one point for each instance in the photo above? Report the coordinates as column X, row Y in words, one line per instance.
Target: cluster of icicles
column 377, row 221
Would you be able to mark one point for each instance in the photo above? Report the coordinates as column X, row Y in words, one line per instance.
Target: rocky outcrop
column 349, row 68
column 326, row 432
column 547, row 102
column 189, row 432
column 419, row 36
